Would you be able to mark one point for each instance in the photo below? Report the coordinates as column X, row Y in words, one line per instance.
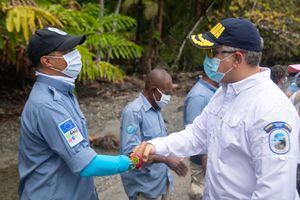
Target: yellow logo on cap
column 217, row 30
column 201, row 41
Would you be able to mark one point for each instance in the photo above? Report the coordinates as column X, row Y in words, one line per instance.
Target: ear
column 45, row 61
column 238, row 59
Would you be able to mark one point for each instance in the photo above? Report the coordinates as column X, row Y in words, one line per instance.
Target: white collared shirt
column 250, row 131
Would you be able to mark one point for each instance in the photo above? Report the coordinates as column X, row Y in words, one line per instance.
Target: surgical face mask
column 211, row 66
column 164, row 100
column 74, row 64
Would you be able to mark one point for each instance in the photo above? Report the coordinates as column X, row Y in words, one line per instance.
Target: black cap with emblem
column 232, row 32
column 50, row 39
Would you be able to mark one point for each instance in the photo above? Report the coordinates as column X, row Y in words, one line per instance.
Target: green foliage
column 150, row 7
column 27, row 19
column 108, row 38
column 278, row 23
column 92, row 69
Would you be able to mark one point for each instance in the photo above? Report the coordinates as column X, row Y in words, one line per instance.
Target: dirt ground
column 102, row 107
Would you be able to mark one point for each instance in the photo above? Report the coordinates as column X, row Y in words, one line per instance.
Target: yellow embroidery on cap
column 201, row 41
column 217, row 30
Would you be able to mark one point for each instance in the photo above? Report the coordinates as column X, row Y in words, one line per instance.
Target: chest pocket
column 151, row 133
column 231, row 132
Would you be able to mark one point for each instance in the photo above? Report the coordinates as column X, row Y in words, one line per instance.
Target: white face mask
column 164, row 100
column 74, row 64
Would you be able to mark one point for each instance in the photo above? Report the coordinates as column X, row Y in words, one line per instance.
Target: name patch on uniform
column 279, row 139
column 70, row 132
column 131, row 129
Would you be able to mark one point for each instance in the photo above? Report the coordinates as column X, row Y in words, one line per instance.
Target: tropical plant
column 278, row 23
column 108, row 35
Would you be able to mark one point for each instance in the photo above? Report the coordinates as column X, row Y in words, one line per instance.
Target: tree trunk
column 198, row 9
column 139, row 8
column 101, row 13
column 159, row 25
column 101, row 7
column 117, row 10
column 118, row 6
column 152, row 55
column 204, row 11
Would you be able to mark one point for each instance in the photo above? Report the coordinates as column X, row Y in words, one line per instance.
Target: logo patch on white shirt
column 279, row 139
column 70, row 132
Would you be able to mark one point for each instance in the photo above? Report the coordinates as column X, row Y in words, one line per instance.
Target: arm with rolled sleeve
column 188, row 142
column 130, row 131
column 275, row 173
column 80, row 158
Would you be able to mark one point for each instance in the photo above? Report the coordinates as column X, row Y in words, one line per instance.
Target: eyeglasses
column 211, row 53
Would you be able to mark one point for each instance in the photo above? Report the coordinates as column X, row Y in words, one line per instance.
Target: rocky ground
column 102, row 104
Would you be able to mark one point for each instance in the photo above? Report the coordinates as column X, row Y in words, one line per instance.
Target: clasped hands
column 144, row 154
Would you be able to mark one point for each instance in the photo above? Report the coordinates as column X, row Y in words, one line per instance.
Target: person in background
column 294, row 86
column 279, row 76
column 141, row 120
column 195, row 101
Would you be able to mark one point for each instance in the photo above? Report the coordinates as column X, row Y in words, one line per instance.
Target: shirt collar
column 62, row 78
column 146, row 104
column 57, row 84
column 248, row 82
column 208, row 85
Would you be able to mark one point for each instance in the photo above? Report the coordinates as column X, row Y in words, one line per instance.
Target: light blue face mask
column 211, row 66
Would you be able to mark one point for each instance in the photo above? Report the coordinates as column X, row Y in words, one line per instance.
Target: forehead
column 166, row 85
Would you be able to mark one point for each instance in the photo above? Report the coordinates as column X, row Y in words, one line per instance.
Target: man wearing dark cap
column 55, row 158
column 249, row 129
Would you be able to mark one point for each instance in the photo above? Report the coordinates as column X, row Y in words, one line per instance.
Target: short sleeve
column 193, row 108
column 63, row 136
column 130, row 131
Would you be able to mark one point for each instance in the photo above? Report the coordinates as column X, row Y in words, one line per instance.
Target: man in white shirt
column 249, row 129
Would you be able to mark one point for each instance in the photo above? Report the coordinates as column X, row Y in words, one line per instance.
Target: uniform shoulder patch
column 70, row 132
column 279, row 139
column 131, row 129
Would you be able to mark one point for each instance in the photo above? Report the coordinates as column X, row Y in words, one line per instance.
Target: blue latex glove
column 103, row 165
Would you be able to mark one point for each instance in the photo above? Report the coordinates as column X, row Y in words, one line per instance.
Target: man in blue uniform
column 141, row 121
column 55, row 158
column 195, row 101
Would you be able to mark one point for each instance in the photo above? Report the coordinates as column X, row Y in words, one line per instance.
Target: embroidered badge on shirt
column 279, row 139
column 70, row 132
column 131, row 129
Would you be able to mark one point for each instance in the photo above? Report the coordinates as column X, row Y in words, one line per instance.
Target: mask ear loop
column 229, row 70
column 52, row 67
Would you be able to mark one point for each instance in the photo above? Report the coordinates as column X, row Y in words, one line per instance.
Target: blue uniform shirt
column 54, row 145
column 141, row 122
column 195, row 101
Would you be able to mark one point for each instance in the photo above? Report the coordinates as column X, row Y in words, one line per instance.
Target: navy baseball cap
column 232, row 32
column 50, row 39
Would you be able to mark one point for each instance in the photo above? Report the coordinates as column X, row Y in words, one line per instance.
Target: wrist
column 136, row 161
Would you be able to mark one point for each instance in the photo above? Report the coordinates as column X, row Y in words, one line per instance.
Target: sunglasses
column 211, row 53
